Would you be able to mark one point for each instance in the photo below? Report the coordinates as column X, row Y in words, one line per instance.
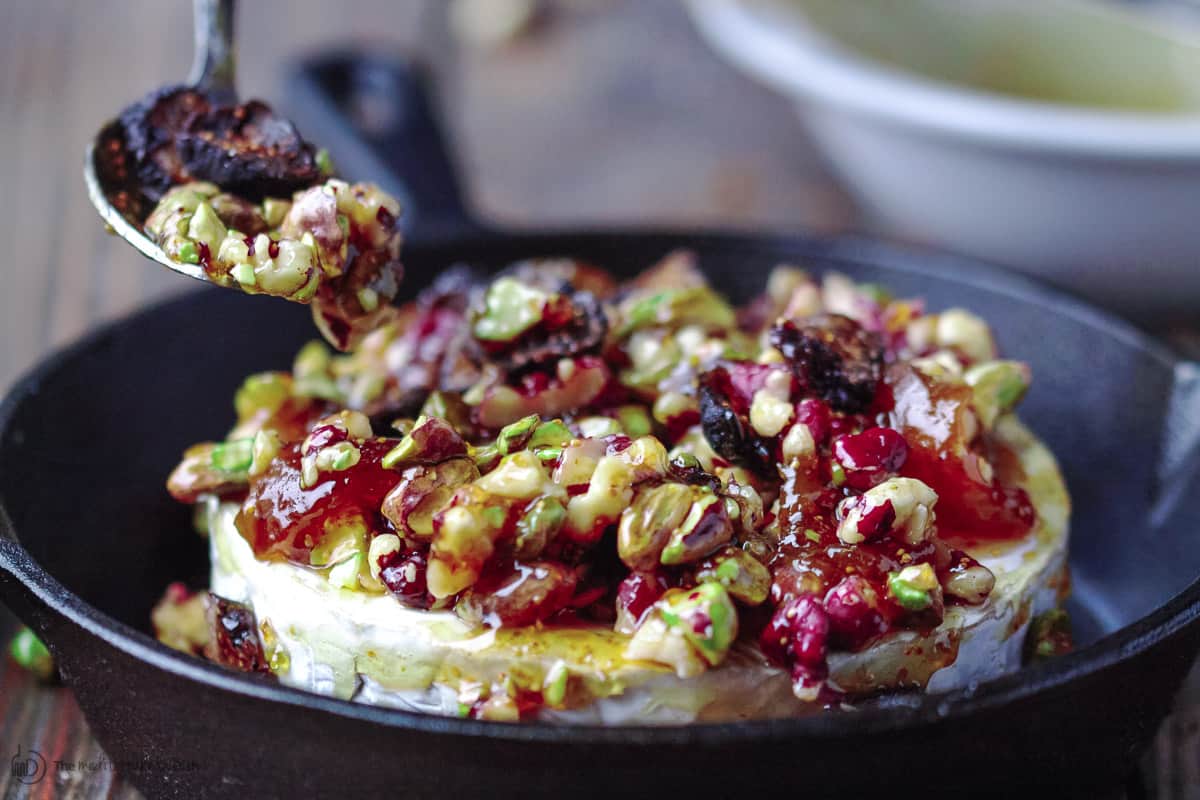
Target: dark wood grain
column 605, row 111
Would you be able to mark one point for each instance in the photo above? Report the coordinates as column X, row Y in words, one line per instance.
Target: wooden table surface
column 603, row 111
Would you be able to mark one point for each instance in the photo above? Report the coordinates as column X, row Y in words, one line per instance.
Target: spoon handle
column 215, row 60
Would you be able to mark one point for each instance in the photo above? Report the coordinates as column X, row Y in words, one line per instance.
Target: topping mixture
column 237, row 191
column 550, row 447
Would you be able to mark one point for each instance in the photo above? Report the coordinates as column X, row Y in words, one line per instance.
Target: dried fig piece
column 175, row 135
column 727, row 428
column 234, row 641
column 248, row 150
column 835, row 357
column 524, row 326
column 348, row 308
column 151, row 127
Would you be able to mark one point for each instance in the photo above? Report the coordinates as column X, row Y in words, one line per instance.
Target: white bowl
column 1105, row 202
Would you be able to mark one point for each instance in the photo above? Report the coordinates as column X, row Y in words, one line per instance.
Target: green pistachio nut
column 264, row 450
column 705, row 615
column 675, row 308
column 274, row 210
column 511, row 309
column 705, row 528
column 745, row 577
column 289, row 271
column 179, row 200
column 646, row 526
column 635, row 420
column 450, row 407
column 262, row 392
column 997, row 387
column 206, row 227
column 553, row 433
column 430, row 440
column 913, row 587
column 1049, row 635
column 342, row 540
column 538, row 526
column 513, row 437
column 597, row 427
column 188, row 253
column 344, row 574
column 311, row 373
column 235, row 456
column 29, row 652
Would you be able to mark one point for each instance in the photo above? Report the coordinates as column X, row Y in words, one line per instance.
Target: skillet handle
column 19, row 577
column 373, row 113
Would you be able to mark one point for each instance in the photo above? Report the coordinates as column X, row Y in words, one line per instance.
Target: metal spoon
column 213, row 72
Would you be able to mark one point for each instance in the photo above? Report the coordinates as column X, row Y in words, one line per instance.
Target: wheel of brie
column 551, row 495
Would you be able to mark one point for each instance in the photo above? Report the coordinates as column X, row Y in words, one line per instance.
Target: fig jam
column 288, row 521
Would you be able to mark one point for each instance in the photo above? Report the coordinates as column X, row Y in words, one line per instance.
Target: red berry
column 815, row 415
column 639, row 591
column 404, row 576
column 798, row 633
column 869, row 457
column 852, row 608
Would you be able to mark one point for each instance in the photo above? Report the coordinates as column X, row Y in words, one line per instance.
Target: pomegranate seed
column 639, row 591
column 798, row 633
column 404, row 576
column 869, row 457
column 877, row 520
column 323, row 436
column 746, row 378
column 815, row 415
column 852, row 608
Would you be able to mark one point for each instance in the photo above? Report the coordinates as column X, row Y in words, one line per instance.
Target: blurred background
column 1061, row 137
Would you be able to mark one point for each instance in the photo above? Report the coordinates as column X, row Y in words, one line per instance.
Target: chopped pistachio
column 596, row 427
column 450, row 407
column 553, row 433
column 554, row 688
column 997, row 387
column 646, row 526
column 29, row 652
column 511, row 309
column 264, row 450
column 538, row 526
column 206, row 227
column 697, row 305
column 512, row 437
column 188, row 253
column 913, row 587
column 324, row 162
column 705, row 616
column 265, row 391
column 742, row 575
column 705, row 528
column 429, row 441
column 274, row 210
column 235, row 456
column 1049, row 635
column 635, row 421
column 337, row 457
column 344, row 574
column 343, row 538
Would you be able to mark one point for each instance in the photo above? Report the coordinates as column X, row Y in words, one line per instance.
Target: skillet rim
column 917, row 710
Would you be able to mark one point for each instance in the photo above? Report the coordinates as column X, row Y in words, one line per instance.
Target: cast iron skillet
column 88, row 437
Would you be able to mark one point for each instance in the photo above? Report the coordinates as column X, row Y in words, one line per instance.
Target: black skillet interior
column 87, row 440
